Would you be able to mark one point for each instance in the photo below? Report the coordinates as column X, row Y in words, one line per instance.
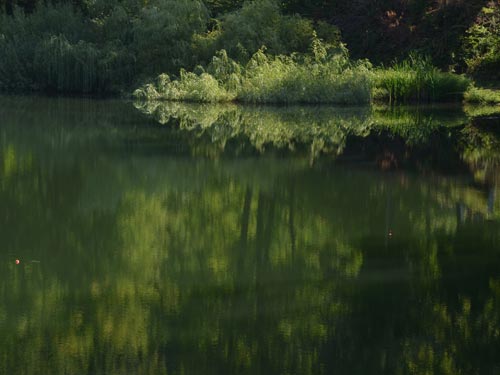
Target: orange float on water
column 18, row 261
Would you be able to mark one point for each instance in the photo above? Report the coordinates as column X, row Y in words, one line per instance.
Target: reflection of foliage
column 321, row 129
column 461, row 335
column 285, row 127
column 153, row 263
column 482, row 96
column 417, row 125
column 480, row 110
column 482, row 152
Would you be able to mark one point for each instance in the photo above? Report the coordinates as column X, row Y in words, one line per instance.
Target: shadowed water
column 177, row 239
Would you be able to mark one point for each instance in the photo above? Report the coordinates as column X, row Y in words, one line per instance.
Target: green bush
column 45, row 20
column 417, row 80
column 190, row 87
column 326, row 75
column 56, row 49
column 290, row 80
column 260, row 22
column 481, row 48
column 62, row 66
column 20, row 36
column 107, row 45
column 78, row 68
column 163, row 34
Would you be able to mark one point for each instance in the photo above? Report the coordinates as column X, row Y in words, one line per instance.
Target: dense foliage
column 379, row 30
column 57, row 49
column 114, row 46
column 110, row 45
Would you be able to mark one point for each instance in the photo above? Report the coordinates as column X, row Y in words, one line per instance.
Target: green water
column 176, row 239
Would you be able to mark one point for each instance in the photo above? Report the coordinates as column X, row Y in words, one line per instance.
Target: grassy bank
column 265, row 79
column 417, row 80
column 325, row 76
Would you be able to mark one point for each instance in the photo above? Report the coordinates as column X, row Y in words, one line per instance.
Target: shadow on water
column 218, row 239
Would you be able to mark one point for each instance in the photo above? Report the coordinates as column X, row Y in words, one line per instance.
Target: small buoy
column 390, row 233
column 18, row 261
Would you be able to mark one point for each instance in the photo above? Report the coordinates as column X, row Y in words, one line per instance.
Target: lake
column 168, row 238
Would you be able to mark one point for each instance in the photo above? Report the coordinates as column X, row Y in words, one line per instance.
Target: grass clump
column 190, row 87
column 312, row 80
column 417, row 80
column 477, row 95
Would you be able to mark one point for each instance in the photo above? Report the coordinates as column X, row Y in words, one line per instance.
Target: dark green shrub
column 65, row 67
column 20, row 36
column 57, row 49
column 61, row 66
column 163, row 34
column 259, row 23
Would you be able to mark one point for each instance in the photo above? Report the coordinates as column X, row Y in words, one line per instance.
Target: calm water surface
column 176, row 239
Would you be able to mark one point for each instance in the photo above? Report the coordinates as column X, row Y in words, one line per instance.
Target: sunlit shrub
column 325, row 75
column 318, row 78
column 288, row 80
column 190, row 87
column 481, row 47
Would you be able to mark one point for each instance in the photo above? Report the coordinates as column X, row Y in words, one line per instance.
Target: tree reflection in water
column 247, row 240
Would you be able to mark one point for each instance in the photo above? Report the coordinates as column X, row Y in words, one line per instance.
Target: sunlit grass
column 266, row 79
column 482, row 96
column 319, row 78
